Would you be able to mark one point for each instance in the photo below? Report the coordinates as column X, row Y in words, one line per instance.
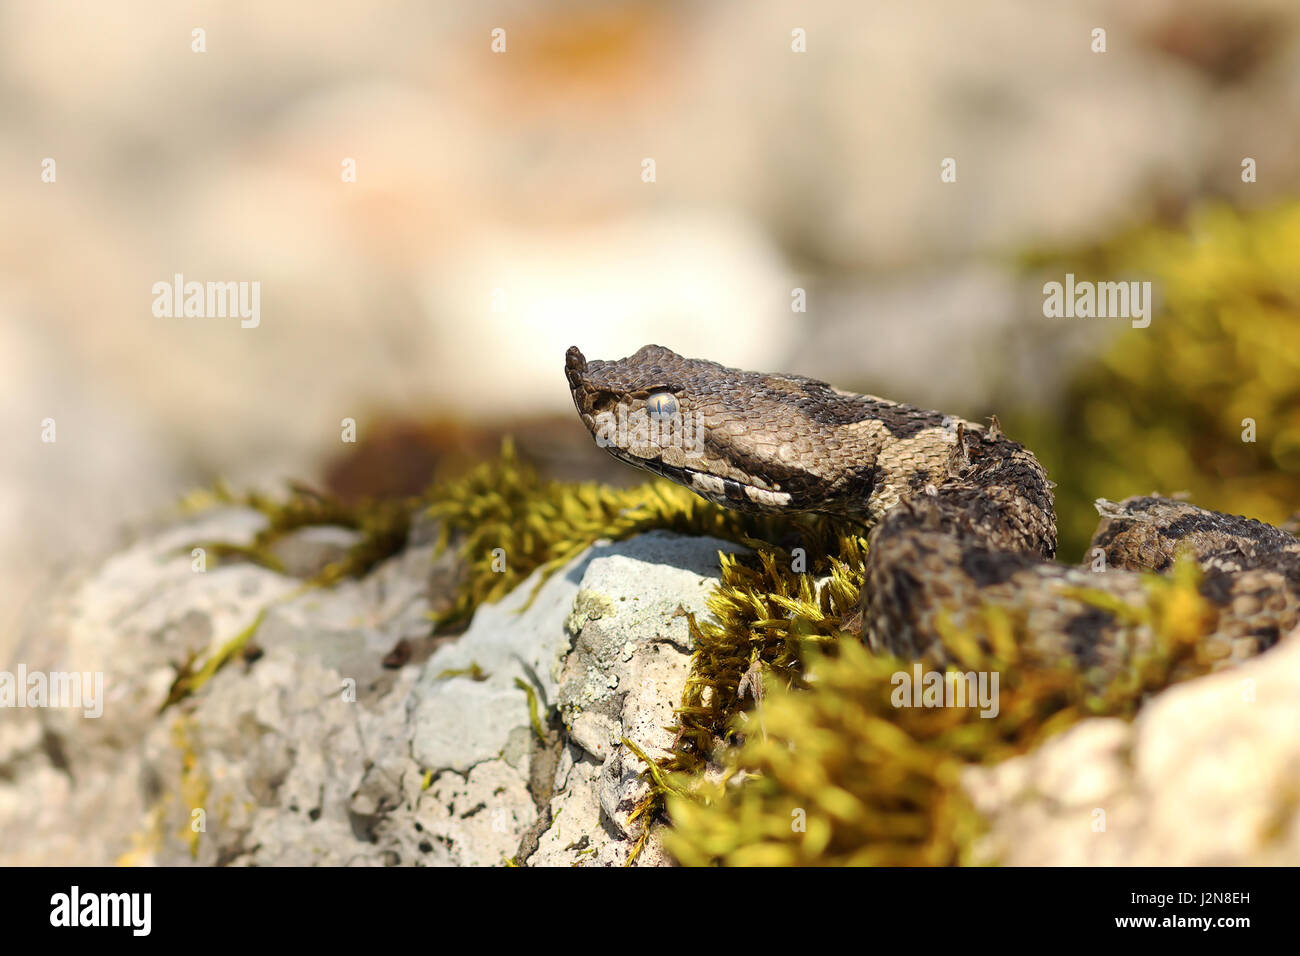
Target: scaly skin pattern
column 961, row 517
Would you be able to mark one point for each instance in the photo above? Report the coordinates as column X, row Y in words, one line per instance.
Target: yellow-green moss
column 835, row 774
column 195, row 786
column 510, row 522
column 383, row 524
column 533, row 719
column 189, row 677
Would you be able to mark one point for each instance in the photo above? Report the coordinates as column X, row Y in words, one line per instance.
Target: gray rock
column 605, row 643
column 1207, row 774
column 314, row 753
column 307, row 551
column 628, row 666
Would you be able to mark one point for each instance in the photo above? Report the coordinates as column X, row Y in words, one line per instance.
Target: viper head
column 744, row 440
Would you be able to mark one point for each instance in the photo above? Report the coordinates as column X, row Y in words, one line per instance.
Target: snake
column 958, row 516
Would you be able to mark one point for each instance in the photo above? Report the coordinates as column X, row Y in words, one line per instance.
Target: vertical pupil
column 661, row 404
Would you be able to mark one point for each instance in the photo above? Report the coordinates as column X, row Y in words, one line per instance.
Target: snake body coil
column 962, row 517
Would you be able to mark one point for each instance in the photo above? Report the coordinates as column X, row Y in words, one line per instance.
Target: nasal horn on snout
column 574, row 366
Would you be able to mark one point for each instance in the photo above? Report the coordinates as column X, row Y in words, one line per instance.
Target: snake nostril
column 604, row 402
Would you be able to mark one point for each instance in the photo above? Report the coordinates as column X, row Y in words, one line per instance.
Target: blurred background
column 433, row 222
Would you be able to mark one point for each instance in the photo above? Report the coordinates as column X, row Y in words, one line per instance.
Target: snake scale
column 960, row 516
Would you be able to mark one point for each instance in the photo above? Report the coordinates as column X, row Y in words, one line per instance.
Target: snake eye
column 662, row 405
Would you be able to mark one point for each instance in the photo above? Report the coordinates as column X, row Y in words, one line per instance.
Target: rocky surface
column 309, row 751
column 1208, row 774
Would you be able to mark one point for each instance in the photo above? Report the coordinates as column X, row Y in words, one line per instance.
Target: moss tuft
column 510, row 522
column 832, row 770
column 383, row 524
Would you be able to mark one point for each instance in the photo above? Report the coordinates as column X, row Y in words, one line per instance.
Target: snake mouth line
column 722, row 491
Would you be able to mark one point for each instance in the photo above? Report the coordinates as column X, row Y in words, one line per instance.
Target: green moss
column 383, row 524
column 533, row 719
column 831, row 772
column 190, row 678
column 510, row 522
column 195, row 786
column 474, row 672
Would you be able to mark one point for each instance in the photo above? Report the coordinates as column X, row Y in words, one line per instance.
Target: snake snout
column 575, row 366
